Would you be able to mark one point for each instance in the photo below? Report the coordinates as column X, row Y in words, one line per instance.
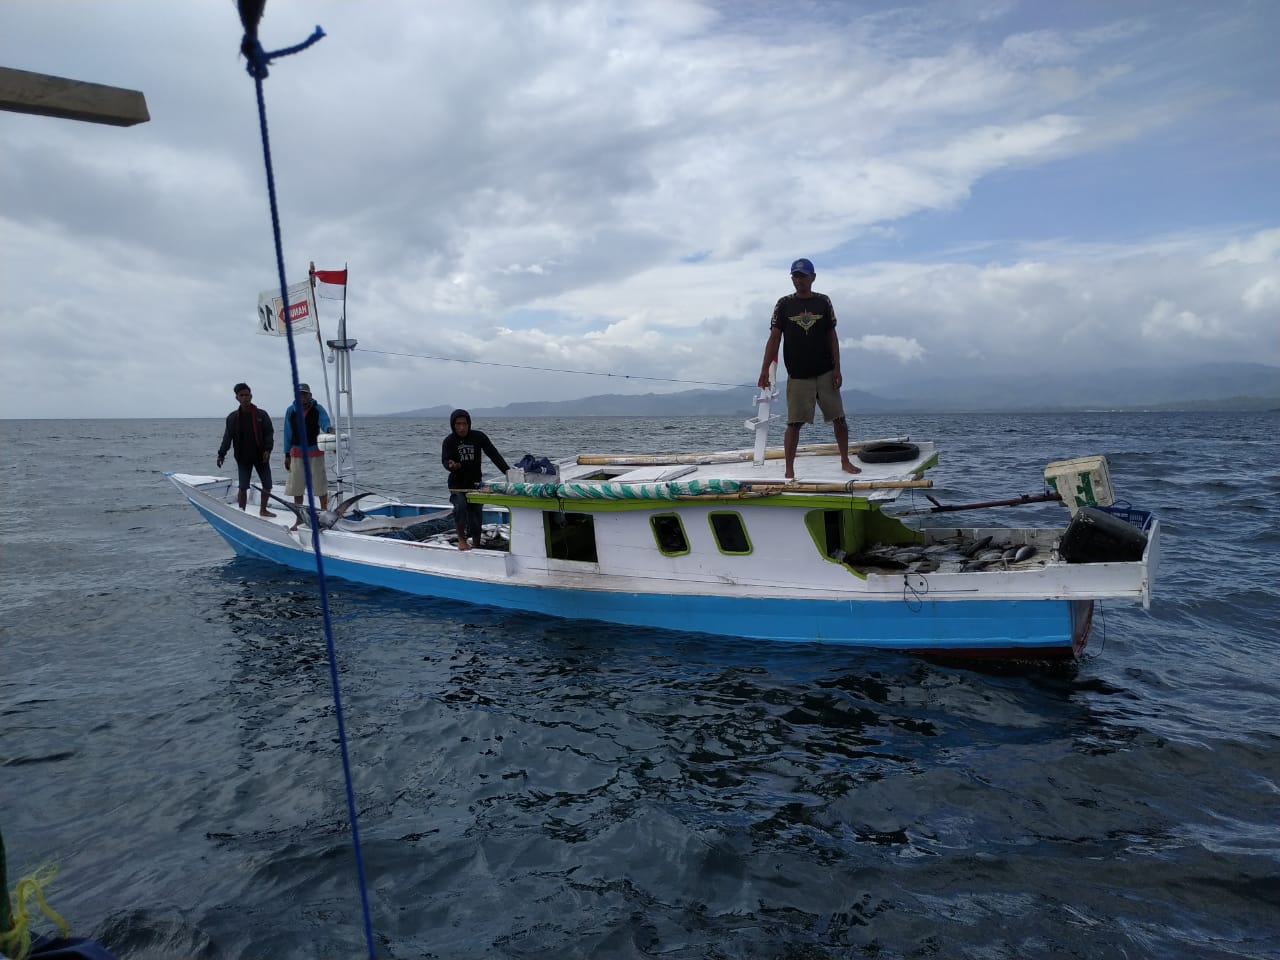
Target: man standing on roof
column 250, row 432
column 804, row 323
column 315, row 418
column 460, row 454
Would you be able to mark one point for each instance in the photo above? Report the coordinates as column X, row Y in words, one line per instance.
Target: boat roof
column 816, row 466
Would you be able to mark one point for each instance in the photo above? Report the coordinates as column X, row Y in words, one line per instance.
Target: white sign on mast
column 301, row 315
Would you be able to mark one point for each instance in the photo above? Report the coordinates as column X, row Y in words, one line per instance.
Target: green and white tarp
column 583, row 490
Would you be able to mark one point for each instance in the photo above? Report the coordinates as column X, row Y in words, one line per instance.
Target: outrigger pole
column 1011, row 502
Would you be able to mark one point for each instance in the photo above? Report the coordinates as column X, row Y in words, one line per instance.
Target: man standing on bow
column 250, row 432
column 804, row 323
column 460, row 454
column 315, row 418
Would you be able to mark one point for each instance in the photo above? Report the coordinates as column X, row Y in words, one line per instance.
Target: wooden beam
column 46, row 96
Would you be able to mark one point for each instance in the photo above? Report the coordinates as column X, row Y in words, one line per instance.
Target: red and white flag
column 331, row 284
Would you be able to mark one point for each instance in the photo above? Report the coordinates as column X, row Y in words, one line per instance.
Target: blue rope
column 258, row 58
column 257, row 66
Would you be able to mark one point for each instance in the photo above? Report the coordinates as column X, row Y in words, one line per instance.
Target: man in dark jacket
column 249, row 430
column 460, row 454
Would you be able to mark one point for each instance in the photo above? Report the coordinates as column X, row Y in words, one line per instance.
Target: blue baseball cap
column 803, row 266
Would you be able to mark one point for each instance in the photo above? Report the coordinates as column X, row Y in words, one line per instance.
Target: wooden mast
column 47, row 96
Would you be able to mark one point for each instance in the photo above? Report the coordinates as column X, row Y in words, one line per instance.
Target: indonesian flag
column 275, row 321
column 331, row 284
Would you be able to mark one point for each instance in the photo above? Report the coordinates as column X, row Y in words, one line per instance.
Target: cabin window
column 570, row 536
column 835, row 532
column 831, row 532
column 730, row 534
column 668, row 531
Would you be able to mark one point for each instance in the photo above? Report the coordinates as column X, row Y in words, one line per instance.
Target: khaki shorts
column 296, row 485
column 803, row 393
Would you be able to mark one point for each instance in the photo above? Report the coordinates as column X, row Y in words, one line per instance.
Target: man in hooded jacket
column 460, row 455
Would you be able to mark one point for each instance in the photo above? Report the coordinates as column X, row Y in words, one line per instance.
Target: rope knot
column 257, row 59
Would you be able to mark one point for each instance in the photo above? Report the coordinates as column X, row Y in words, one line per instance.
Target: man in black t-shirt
column 804, row 323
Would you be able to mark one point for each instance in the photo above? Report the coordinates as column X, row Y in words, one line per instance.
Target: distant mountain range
column 1215, row 386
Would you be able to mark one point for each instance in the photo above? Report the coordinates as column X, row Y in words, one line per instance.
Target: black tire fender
column 892, row 452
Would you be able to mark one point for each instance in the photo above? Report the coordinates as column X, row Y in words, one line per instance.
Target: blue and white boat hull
column 789, row 593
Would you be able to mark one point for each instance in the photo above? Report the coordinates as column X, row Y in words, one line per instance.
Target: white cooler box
column 1082, row 482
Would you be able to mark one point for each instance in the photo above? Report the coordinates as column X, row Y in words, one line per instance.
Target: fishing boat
column 723, row 543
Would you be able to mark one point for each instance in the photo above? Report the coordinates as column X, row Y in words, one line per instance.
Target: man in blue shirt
column 316, row 419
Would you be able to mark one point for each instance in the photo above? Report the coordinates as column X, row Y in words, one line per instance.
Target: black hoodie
column 466, row 451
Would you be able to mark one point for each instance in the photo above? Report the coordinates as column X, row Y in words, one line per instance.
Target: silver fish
column 326, row 518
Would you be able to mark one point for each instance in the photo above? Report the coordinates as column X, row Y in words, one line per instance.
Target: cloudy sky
column 617, row 189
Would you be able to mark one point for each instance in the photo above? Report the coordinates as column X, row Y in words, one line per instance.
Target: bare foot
column 265, row 513
column 463, row 545
column 848, row 467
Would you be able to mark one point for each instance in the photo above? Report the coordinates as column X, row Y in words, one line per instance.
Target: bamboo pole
column 849, row 486
column 718, row 456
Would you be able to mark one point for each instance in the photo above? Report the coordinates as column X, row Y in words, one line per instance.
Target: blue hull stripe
column 1025, row 627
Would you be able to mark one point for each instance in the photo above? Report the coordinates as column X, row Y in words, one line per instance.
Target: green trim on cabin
column 807, row 501
column 882, row 528
column 931, row 462
column 845, row 531
column 853, row 530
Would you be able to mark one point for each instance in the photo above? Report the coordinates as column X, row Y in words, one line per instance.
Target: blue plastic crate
column 1122, row 511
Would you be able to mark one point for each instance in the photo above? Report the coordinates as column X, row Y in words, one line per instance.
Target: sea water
column 530, row 787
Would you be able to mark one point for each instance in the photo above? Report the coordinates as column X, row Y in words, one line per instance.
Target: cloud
column 1166, row 320
column 1262, row 296
column 903, row 349
column 1262, row 248
column 618, row 189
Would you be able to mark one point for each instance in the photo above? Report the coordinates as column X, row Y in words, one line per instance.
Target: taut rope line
column 582, row 373
column 258, row 59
